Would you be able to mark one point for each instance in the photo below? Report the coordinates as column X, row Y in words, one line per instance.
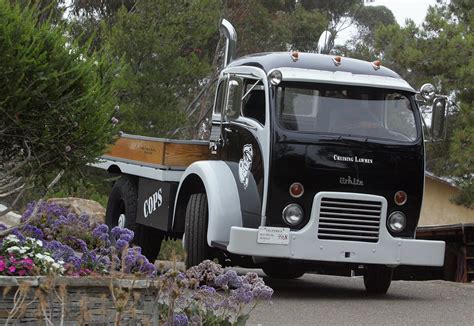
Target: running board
column 220, row 245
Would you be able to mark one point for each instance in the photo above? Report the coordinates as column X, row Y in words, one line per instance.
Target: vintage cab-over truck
column 314, row 163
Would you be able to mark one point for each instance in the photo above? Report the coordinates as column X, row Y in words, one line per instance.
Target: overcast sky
column 401, row 9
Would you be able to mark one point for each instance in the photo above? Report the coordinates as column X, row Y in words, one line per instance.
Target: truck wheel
column 282, row 271
column 195, row 230
column 377, row 279
column 122, row 211
column 122, row 205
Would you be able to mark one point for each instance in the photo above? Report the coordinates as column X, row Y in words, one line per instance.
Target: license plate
column 272, row 235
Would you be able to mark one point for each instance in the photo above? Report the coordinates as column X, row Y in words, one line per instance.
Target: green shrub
column 56, row 101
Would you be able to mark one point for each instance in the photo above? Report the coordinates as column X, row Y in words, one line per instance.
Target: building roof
column 445, row 180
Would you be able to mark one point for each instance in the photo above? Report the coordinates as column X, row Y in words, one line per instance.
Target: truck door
column 244, row 115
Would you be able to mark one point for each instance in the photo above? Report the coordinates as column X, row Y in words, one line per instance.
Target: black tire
column 195, row 230
column 123, row 200
column 377, row 279
column 282, row 270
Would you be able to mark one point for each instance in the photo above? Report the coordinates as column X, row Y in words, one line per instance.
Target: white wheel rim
column 121, row 221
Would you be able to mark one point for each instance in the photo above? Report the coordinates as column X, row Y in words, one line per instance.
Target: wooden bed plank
column 184, row 154
column 161, row 152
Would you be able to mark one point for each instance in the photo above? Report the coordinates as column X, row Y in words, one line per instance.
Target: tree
column 441, row 51
column 168, row 48
column 56, row 101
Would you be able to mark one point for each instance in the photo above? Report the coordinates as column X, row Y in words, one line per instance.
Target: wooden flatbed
column 168, row 154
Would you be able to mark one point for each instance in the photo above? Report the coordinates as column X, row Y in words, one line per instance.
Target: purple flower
column 262, row 292
column 18, row 234
column 120, row 244
column 122, row 233
column 60, row 251
column 243, row 294
column 105, row 261
column 222, row 281
column 207, row 289
column 3, row 227
column 101, row 232
column 49, row 210
column 33, row 231
column 149, row 269
column 180, row 320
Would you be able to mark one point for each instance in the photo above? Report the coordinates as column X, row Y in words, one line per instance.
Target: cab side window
column 234, row 98
column 253, row 105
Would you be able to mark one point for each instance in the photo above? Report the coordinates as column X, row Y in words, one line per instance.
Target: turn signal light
column 295, row 56
column 296, row 190
column 376, row 64
column 400, row 197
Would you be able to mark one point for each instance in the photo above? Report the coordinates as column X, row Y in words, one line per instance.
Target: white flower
column 12, row 238
column 56, row 265
column 39, row 256
column 14, row 248
column 61, row 262
column 22, row 250
column 39, row 243
column 48, row 259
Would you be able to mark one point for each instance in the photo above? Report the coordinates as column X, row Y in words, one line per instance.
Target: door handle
column 227, row 129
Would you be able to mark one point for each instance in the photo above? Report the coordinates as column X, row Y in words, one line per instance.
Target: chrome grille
column 349, row 219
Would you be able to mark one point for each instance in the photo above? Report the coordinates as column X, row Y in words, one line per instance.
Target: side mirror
column 438, row 118
column 427, row 92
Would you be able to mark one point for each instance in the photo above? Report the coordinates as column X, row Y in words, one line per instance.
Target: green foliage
column 87, row 183
column 171, row 250
column 56, row 102
column 166, row 47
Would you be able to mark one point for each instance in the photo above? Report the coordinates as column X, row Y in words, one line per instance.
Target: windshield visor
column 346, row 110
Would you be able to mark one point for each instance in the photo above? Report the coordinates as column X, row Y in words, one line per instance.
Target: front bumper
column 304, row 244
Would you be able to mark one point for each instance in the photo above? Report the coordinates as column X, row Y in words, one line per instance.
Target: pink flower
column 2, row 265
column 12, row 269
column 21, row 272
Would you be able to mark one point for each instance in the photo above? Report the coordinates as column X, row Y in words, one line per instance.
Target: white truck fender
column 222, row 197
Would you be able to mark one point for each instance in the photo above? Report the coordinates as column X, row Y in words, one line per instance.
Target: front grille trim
column 349, row 219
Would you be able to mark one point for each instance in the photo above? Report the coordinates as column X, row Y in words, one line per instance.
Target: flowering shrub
column 58, row 242
column 20, row 256
column 78, row 246
column 208, row 295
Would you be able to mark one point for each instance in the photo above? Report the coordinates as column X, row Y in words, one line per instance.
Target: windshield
column 346, row 110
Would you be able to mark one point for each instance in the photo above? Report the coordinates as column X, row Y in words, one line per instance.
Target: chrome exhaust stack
column 228, row 31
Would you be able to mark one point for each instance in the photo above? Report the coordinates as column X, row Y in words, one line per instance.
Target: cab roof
column 273, row 60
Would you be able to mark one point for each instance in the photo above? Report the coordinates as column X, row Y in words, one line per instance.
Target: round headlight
column 275, row 77
column 397, row 221
column 292, row 214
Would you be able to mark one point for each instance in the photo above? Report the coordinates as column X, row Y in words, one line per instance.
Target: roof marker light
column 295, row 56
column 376, row 64
column 337, row 60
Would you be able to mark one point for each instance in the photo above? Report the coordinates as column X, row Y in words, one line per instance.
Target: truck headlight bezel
column 397, row 222
column 292, row 214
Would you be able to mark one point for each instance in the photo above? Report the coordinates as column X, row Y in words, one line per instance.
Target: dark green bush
column 56, row 101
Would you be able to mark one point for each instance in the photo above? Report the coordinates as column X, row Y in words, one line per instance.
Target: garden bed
column 77, row 300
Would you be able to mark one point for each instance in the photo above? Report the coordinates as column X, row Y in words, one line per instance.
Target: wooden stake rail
column 158, row 152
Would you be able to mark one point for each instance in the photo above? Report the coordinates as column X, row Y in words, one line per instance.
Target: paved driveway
column 330, row 300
